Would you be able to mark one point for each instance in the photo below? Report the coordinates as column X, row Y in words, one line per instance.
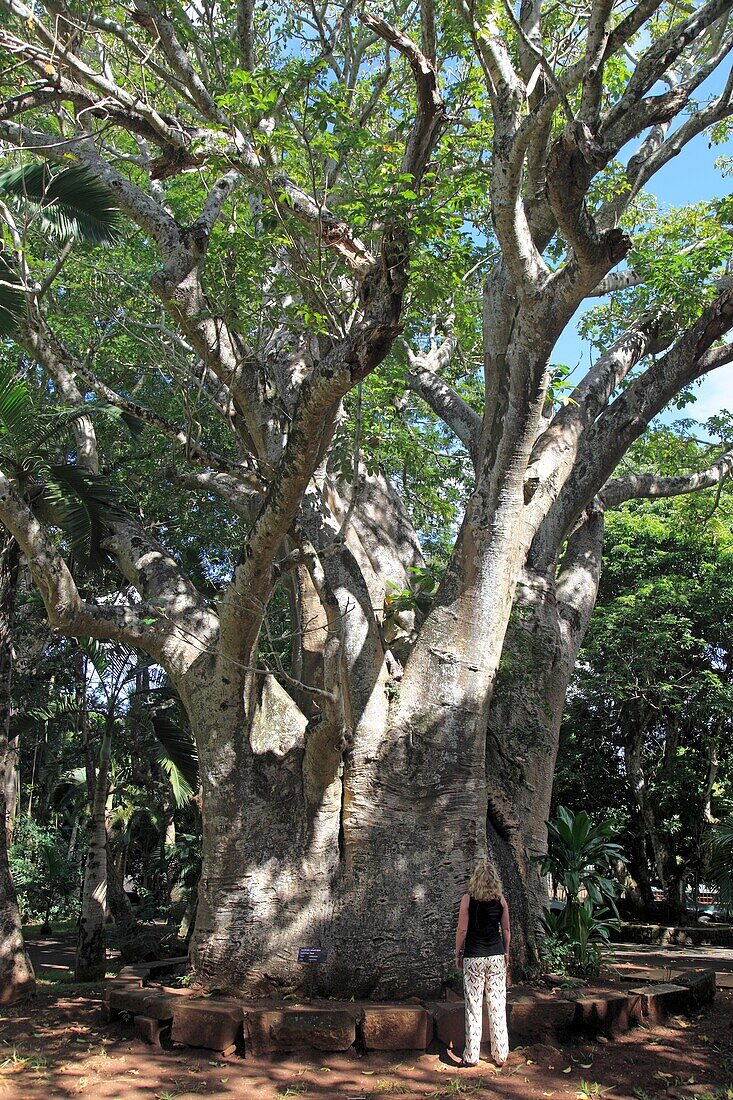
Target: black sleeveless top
column 484, row 929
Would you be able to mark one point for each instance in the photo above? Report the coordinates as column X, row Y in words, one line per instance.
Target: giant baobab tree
column 320, row 194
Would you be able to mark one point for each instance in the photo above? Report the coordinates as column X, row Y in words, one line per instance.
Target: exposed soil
column 59, row 1047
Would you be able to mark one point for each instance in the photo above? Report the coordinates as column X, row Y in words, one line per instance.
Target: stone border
column 662, row 935
column 227, row 1025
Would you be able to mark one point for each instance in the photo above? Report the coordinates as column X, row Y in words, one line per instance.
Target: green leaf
column 71, row 202
column 179, row 757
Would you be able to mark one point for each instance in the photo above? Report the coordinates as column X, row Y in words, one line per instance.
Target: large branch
column 508, row 95
column 574, row 160
column 182, row 612
column 136, row 203
column 543, row 109
column 624, row 421
column 663, row 53
column 39, row 342
column 244, row 501
column 578, row 578
column 423, row 378
column 556, row 450
column 142, row 560
column 158, row 22
column 597, row 35
column 653, row 486
column 431, row 114
column 66, row 609
column 504, row 84
column 608, row 134
column 188, row 147
column 349, row 361
column 656, row 150
column 615, row 281
column 57, row 52
column 181, row 148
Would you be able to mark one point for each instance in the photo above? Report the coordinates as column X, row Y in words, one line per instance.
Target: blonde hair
column 485, row 884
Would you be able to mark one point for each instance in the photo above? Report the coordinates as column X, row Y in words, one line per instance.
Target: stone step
column 270, row 1030
column 259, row 1028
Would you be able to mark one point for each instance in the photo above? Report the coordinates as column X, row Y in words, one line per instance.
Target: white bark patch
column 279, row 724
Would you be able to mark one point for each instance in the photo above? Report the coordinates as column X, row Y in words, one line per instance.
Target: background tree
column 69, row 206
column 649, row 707
column 305, row 190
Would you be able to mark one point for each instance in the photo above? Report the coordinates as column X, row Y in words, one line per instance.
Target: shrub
column 47, row 876
column 579, row 857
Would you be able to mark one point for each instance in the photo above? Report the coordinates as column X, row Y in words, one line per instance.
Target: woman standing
column 482, row 951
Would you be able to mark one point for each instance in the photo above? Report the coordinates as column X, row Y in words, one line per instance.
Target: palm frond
column 72, row 202
column 83, row 504
column 25, row 181
column 179, row 758
column 12, row 297
column 182, row 789
column 114, row 663
column 17, row 413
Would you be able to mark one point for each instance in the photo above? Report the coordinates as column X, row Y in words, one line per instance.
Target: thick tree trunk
column 549, row 621
column 364, row 847
column 364, row 850
column 642, row 896
column 17, row 979
column 11, row 785
column 267, row 867
column 91, row 956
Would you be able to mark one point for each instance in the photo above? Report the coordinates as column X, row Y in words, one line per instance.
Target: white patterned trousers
column 485, row 975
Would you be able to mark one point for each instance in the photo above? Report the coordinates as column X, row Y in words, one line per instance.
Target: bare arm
column 506, row 931
column 461, row 929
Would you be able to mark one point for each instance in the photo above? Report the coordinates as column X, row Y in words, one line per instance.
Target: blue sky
column 690, row 177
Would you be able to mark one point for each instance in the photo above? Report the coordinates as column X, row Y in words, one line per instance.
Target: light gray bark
column 549, row 619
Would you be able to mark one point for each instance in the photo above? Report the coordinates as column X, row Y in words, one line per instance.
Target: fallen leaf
column 568, row 1069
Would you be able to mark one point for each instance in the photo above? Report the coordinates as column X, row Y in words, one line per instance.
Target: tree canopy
column 316, row 362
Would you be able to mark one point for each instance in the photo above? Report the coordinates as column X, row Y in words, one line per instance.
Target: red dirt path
column 59, row 1047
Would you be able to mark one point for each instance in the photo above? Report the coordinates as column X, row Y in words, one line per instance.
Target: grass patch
column 60, row 928
column 458, row 1087
column 66, row 983
column 16, row 1058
